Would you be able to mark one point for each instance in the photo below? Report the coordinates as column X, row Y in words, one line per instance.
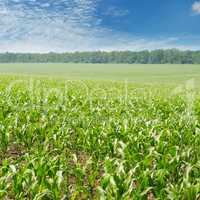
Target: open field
column 135, row 73
column 83, row 136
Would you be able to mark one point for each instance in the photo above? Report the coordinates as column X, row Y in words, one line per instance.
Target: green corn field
column 90, row 139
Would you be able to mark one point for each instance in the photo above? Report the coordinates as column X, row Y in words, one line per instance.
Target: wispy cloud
column 116, row 12
column 66, row 25
column 53, row 25
column 196, row 7
column 122, row 41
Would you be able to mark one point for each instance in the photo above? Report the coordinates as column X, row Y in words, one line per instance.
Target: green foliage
column 172, row 56
column 97, row 140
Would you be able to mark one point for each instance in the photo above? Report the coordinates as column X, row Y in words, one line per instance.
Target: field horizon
column 138, row 73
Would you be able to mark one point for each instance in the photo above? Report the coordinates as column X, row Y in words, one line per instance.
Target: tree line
column 172, row 56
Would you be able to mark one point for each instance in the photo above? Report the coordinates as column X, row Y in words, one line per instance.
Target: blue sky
column 87, row 25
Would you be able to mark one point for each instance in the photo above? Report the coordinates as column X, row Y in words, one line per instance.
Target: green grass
column 93, row 138
column 134, row 73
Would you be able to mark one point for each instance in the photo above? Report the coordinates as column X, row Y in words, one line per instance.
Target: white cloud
column 196, row 7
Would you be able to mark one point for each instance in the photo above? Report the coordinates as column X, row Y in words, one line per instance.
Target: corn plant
column 98, row 140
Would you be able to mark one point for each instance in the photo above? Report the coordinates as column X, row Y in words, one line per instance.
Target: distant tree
column 160, row 56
